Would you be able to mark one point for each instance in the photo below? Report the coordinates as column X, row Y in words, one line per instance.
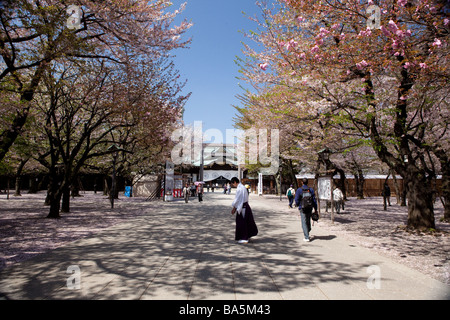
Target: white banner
column 209, row 175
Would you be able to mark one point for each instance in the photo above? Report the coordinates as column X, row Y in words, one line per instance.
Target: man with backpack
column 290, row 194
column 305, row 199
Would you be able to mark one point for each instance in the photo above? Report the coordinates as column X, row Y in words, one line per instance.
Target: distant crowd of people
column 192, row 190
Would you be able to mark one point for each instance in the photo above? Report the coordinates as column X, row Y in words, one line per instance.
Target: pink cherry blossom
column 362, row 64
column 395, row 44
column 402, row 2
column 291, row 44
column 365, row 33
column 437, row 43
column 263, row 66
column 315, row 49
column 400, row 33
column 324, row 31
column 385, row 31
column 423, row 65
column 392, row 26
column 335, row 26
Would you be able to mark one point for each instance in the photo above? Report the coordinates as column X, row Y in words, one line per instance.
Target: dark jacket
column 386, row 191
column 298, row 197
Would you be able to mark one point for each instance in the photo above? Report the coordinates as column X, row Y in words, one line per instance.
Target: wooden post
column 332, row 200
column 316, row 187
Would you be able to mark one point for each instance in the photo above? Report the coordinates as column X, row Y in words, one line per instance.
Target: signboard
column 169, row 183
column 260, row 184
column 324, row 188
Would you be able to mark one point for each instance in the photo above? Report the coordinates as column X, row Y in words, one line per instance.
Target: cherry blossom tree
column 86, row 108
column 386, row 85
column 34, row 34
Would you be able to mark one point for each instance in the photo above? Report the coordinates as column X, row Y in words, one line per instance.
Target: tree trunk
column 34, row 185
column 445, row 168
column 17, row 187
column 54, row 200
column 75, row 189
column 397, row 189
column 359, row 181
column 277, row 183
column 404, row 193
column 292, row 174
column 342, row 180
column 10, row 134
column 7, row 188
column 331, row 165
column 19, row 177
column 54, row 194
column 65, row 207
column 55, row 204
column 105, row 186
column 446, row 197
column 420, row 202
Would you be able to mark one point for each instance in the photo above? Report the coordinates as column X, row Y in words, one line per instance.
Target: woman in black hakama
column 245, row 223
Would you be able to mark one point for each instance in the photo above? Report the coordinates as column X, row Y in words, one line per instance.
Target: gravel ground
column 366, row 223
column 25, row 232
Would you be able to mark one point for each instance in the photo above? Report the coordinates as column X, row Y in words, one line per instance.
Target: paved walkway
column 187, row 251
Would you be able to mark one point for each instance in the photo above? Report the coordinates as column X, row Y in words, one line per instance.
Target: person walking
column 193, row 190
column 245, row 223
column 338, row 198
column 305, row 199
column 386, row 193
column 186, row 192
column 290, row 194
column 200, row 192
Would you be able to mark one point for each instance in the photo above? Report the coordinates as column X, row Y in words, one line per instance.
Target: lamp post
column 280, row 168
column 324, row 156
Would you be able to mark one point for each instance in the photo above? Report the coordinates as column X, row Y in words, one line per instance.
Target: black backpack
column 307, row 200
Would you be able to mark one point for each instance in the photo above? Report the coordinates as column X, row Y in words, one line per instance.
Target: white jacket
column 240, row 198
column 338, row 195
column 292, row 192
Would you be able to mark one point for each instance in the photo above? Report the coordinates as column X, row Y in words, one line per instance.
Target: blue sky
column 209, row 65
